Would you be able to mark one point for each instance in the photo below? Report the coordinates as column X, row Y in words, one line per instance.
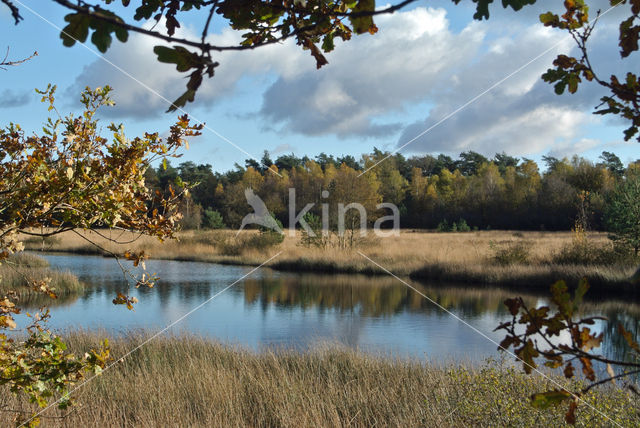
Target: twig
column 10, row 63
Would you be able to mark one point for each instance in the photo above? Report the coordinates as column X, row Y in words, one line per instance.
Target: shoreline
column 461, row 258
column 531, row 278
column 31, row 267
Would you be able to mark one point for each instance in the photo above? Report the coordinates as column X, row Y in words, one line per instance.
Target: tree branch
column 15, row 12
column 86, row 9
column 10, row 63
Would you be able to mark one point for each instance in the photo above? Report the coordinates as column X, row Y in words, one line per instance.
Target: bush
column 590, row 253
column 513, row 253
column 582, row 251
column 315, row 224
column 462, row 226
column 234, row 246
column 443, row 226
column 213, row 220
column 263, row 240
column 459, row 226
column 621, row 214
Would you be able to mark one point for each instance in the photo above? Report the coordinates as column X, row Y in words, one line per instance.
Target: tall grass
column 20, row 269
column 27, row 260
column 189, row 381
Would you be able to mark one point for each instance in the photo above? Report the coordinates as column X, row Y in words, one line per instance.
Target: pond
column 269, row 308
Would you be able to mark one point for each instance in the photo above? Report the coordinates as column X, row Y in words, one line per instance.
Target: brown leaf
column 570, row 416
column 568, row 371
column 587, row 368
column 513, row 305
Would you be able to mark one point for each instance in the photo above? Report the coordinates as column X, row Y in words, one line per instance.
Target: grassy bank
column 18, row 270
column 528, row 260
column 188, row 381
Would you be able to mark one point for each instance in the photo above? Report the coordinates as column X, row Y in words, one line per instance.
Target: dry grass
column 189, row 381
column 18, row 270
column 458, row 257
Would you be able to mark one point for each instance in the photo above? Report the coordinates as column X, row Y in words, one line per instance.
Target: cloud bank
column 372, row 84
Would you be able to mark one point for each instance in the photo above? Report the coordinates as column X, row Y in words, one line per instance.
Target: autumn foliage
column 72, row 178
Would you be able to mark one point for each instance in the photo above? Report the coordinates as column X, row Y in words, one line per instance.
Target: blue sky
column 380, row 90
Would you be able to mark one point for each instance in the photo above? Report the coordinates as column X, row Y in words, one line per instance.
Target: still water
column 275, row 309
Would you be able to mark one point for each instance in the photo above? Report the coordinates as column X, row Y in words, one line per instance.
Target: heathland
column 519, row 260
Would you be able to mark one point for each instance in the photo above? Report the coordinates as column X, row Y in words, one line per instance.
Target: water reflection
column 369, row 296
column 300, row 310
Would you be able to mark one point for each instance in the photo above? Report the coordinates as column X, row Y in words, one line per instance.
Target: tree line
column 503, row 192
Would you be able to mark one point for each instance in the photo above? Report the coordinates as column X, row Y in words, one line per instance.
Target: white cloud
column 370, row 76
column 141, row 78
column 415, row 59
column 570, row 148
column 522, row 115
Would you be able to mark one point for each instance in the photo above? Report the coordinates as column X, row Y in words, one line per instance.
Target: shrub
column 582, row 251
column 443, row 226
column 263, row 240
column 621, row 214
column 232, row 245
column 459, row 226
column 213, row 220
column 513, row 253
column 315, row 224
column 590, row 253
column 462, row 226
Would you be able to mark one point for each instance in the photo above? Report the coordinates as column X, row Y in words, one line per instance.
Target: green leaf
column 363, row 24
column 122, row 34
column 165, row 54
column 327, row 43
column 549, row 19
column 573, row 80
column 560, row 297
column 102, row 40
column 527, row 353
column 188, row 96
column 544, row 400
column 181, row 57
column 76, row 30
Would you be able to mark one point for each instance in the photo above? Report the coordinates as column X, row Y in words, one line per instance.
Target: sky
column 431, row 81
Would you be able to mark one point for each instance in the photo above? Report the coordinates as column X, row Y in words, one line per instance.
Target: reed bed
column 190, row 381
column 19, row 269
